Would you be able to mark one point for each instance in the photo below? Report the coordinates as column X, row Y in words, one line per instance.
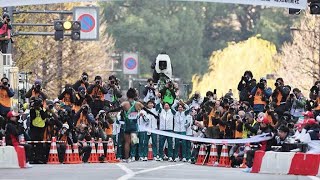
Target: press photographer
column 6, row 93
column 5, row 34
column 36, row 91
column 297, row 102
column 315, row 96
column 168, row 93
column 37, row 118
column 245, row 86
column 83, row 82
column 113, row 92
column 67, row 96
column 149, row 91
column 97, row 92
column 81, row 98
column 260, row 94
column 280, row 96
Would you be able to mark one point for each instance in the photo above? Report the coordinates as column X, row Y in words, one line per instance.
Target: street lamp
column 314, row 32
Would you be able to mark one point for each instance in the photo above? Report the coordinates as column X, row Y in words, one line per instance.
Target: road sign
column 130, row 63
column 89, row 18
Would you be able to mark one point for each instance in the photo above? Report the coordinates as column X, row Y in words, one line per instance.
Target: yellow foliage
column 226, row 67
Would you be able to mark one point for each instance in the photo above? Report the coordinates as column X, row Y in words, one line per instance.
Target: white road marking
column 313, row 177
column 131, row 174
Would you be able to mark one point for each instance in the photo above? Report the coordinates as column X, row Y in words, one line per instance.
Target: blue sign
column 87, row 22
column 130, row 63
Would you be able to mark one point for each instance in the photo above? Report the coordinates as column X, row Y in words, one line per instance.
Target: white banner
column 295, row 4
column 254, row 139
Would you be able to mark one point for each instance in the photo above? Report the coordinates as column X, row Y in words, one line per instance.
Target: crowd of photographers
column 84, row 111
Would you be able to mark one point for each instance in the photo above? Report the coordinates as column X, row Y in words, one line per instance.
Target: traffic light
column 314, row 6
column 75, row 30
column 61, row 26
column 58, row 27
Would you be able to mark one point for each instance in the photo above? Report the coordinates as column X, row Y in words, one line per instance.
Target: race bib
column 133, row 115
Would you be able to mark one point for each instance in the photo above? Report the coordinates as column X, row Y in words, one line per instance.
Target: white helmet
column 318, row 118
column 65, row 126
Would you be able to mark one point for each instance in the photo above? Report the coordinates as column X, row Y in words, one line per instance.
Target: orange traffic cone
column 150, row 153
column 246, row 149
column 53, row 154
column 93, row 156
column 201, row 155
column 68, row 156
column 75, row 155
column 224, row 157
column 111, row 156
column 100, row 151
column 3, row 141
column 213, row 157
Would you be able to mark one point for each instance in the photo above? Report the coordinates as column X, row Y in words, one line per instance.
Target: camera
column 50, row 106
column 84, row 78
column 37, row 87
column 260, row 85
column 5, row 83
column 276, row 84
column 97, row 82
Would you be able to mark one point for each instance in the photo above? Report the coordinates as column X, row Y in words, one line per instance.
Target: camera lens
column 5, row 83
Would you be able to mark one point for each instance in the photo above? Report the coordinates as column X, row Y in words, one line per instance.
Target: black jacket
column 78, row 84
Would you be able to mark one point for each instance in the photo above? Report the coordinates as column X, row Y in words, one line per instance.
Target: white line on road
column 313, row 178
column 131, row 174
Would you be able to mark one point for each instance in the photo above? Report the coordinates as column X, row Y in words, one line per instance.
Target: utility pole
column 10, row 12
column 59, row 61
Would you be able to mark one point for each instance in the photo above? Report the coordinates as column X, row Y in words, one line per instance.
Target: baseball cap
column 65, row 126
column 12, row 114
column 264, row 120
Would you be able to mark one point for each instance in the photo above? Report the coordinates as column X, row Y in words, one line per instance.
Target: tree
column 39, row 54
column 300, row 58
column 228, row 65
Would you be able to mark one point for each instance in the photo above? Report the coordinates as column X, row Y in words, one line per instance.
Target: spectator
column 260, row 94
column 83, row 82
column 245, row 86
column 12, row 135
column 84, row 117
column 298, row 103
column 6, row 93
column 180, row 119
column 315, row 96
column 236, row 155
column 97, row 92
column 149, row 91
column 195, row 101
column 280, row 96
column 188, row 125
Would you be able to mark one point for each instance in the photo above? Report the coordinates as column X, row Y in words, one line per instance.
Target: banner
column 295, row 4
column 254, row 139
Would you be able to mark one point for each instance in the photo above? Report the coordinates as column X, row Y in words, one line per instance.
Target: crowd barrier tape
column 254, row 139
column 286, row 163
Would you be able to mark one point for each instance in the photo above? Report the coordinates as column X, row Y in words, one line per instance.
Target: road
column 137, row 171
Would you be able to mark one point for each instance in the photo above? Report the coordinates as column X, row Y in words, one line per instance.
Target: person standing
column 5, row 34
column 180, row 119
column 6, row 93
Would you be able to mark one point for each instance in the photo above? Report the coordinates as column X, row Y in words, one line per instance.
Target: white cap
column 318, row 118
column 65, row 126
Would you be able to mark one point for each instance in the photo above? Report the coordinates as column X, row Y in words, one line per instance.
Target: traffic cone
column 100, row 151
column 201, row 155
column 93, row 156
column 150, row 153
column 213, row 157
column 224, row 157
column 75, row 156
column 111, row 156
column 246, row 149
column 53, row 154
column 68, row 155
column 3, row 141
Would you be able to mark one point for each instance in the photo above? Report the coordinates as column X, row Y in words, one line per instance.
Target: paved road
column 137, row 171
